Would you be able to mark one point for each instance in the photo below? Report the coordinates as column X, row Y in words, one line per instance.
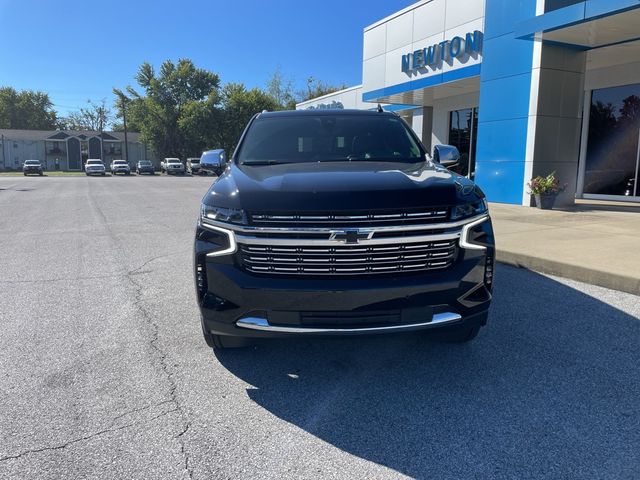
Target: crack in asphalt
column 135, row 271
column 92, row 435
column 168, row 372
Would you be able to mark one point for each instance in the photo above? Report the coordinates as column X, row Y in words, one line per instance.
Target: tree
column 238, row 106
column 168, row 97
column 96, row 117
column 281, row 90
column 317, row 88
column 27, row 109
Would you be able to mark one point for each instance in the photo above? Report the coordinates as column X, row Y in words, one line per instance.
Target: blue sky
column 78, row 50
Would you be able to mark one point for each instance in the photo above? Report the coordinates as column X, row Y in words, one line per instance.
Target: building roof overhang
column 585, row 25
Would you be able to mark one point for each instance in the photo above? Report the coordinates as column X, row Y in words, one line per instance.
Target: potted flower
column 545, row 190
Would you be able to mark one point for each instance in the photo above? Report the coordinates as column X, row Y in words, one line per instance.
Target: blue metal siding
column 502, row 15
column 505, row 84
column 431, row 81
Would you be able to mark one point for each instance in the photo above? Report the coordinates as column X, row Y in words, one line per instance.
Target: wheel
column 24, row 173
column 127, row 173
column 463, row 335
column 221, row 342
column 104, row 173
column 41, row 174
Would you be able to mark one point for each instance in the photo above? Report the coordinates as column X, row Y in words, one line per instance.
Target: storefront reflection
column 613, row 153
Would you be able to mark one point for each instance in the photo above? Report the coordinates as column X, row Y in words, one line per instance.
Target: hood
column 339, row 186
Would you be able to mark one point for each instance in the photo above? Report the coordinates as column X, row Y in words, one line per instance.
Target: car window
column 312, row 138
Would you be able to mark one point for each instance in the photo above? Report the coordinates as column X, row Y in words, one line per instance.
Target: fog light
column 488, row 272
column 201, row 283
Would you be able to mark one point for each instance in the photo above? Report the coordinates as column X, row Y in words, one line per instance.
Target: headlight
column 469, row 210
column 222, row 214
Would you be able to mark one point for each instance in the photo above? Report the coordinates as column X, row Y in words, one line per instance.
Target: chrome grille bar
column 352, row 219
column 348, row 260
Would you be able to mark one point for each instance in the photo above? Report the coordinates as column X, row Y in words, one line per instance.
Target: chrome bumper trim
column 257, row 323
column 250, row 240
column 330, row 230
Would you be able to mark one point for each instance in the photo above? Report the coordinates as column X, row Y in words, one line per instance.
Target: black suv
column 339, row 223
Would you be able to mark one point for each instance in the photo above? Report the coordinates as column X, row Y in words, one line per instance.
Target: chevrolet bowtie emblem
column 350, row 235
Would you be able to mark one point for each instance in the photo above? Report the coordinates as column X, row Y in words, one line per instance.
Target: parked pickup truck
column 340, row 223
column 120, row 166
column 172, row 166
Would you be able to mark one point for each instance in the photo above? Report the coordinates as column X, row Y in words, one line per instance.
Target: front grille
column 348, row 259
column 361, row 218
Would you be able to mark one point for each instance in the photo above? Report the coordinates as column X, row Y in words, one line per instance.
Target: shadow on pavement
column 549, row 389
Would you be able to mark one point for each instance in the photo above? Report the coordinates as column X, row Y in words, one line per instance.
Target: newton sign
column 446, row 51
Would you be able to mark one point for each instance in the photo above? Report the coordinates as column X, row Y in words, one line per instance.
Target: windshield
column 32, row 162
column 173, row 160
column 194, row 160
column 94, row 162
column 144, row 162
column 327, row 138
column 119, row 162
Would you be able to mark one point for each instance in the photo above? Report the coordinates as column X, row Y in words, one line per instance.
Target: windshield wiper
column 263, row 162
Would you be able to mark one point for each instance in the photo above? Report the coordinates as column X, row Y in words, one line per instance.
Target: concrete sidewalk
column 596, row 243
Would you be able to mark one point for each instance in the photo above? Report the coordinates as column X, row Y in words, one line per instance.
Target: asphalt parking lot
column 104, row 373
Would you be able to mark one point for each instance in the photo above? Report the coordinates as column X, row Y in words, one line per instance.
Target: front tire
column 222, row 342
column 464, row 335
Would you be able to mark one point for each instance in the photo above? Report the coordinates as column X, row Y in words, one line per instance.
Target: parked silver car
column 172, row 166
column 94, row 166
column 120, row 166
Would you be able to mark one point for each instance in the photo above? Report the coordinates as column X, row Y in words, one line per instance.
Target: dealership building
column 521, row 87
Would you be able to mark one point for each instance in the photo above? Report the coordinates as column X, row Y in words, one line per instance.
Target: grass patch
column 46, row 174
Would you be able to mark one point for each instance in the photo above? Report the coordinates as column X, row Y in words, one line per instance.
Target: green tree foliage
column 281, row 90
column 182, row 110
column 26, row 109
column 168, row 96
column 317, row 88
column 238, row 106
column 95, row 116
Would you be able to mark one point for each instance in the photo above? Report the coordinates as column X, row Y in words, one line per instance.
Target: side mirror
column 446, row 155
column 213, row 160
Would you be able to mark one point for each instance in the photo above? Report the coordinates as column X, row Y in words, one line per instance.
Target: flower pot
column 545, row 202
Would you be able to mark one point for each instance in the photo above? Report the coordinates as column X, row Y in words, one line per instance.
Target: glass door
column 463, row 131
column 612, row 164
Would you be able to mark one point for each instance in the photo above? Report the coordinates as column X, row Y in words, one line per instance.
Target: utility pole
column 124, row 122
column 123, row 99
column 3, row 159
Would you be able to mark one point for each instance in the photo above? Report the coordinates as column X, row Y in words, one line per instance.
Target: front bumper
column 233, row 301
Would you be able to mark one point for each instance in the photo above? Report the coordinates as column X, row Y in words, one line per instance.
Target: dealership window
column 612, row 165
column 463, row 131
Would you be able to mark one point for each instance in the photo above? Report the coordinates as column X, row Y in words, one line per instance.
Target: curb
column 574, row 272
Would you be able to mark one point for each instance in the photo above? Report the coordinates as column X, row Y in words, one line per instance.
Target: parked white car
column 120, row 166
column 172, row 166
column 94, row 166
